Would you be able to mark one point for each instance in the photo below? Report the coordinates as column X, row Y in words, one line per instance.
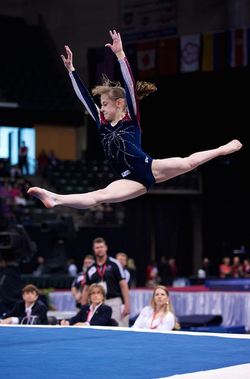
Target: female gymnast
column 118, row 122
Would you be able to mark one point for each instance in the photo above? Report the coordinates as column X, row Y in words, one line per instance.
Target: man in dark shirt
column 108, row 272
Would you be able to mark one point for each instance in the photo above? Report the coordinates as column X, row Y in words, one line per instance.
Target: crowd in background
column 13, row 192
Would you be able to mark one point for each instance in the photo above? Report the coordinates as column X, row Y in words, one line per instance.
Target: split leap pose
column 118, row 122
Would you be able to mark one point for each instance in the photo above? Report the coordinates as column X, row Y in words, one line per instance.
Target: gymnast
column 118, row 122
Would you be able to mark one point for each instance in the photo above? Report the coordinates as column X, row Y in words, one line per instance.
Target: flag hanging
column 213, row 56
column 238, row 47
column 146, row 55
column 167, row 56
column 190, row 53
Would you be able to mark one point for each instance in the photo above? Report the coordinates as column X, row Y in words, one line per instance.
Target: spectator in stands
column 225, row 269
column 164, row 272
column 6, row 202
column 174, row 272
column 40, row 266
column 4, row 170
column 42, row 160
column 93, row 313
column 206, row 266
column 79, row 281
column 15, row 172
column 72, row 269
column 123, row 259
column 152, row 277
column 52, row 158
column 159, row 315
column 131, row 267
column 237, row 268
column 109, row 272
column 23, row 157
column 5, row 189
column 30, row 310
column 246, row 268
column 15, row 190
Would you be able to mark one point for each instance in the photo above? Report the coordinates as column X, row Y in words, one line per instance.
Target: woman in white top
column 159, row 315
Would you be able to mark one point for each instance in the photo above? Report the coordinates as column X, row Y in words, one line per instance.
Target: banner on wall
column 238, row 47
column 190, row 53
column 213, row 51
column 152, row 19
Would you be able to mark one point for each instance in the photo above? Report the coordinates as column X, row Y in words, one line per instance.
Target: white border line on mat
column 124, row 329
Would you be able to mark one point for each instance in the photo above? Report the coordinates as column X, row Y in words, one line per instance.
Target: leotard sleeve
column 131, row 95
column 85, row 97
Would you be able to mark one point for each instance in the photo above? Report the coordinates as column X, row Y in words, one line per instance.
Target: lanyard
column 152, row 321
column 83, row 280
column 89, row 317
column 101, row 272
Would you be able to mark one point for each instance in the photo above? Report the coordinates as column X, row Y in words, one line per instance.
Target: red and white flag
column 238, row 47
column 146, row 59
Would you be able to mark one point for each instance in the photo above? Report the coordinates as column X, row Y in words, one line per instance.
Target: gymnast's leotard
column 121, row 142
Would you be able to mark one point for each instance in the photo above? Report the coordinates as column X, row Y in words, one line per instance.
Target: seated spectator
column 15, row 172
column 159, row 314
column 40, row 266
column 207, row 266
column 95, row 313
column 225, row 269
column 152, row 277
column 42, row 160
column 15, row 190
column 5, row 189
column 246, row 269
column 79, row 281
column 52, row 158
column 30, row 310
column 237, row 268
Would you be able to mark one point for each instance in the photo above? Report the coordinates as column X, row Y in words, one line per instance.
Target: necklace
column 152, row 321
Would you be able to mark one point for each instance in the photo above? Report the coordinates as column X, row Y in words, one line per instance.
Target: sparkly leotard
column 121, row 142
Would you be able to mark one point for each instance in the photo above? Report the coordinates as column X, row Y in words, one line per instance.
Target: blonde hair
column 100, row 287
column 115, row 91
column 121, row 254
column 168, row 307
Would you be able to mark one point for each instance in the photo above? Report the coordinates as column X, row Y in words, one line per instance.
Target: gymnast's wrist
column 120, row 54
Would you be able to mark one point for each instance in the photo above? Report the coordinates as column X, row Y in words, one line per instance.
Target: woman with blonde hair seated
column 159, row 315
column 93, row 313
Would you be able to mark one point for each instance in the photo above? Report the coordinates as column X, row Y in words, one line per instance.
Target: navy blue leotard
column 121, row 142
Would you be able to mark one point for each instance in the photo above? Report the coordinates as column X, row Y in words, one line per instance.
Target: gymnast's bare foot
column 48, row 198
column 231, row 147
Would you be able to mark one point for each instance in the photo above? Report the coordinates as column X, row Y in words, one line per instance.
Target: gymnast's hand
column 68, row 62
column 116, row 47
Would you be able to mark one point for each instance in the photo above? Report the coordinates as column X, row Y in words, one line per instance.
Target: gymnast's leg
column 117, row 191
column 165, row 169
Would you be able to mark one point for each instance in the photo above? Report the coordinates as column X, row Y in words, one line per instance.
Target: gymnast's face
column 109, row 108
